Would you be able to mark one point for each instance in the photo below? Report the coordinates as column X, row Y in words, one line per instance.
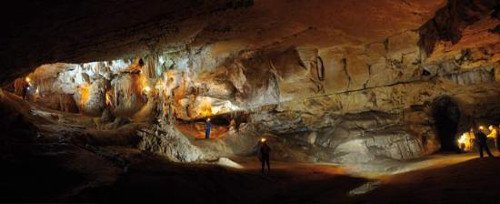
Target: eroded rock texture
column 337, row 81
column 170, row 144
column 450, row 21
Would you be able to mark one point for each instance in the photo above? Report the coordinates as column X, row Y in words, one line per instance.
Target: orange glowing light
column 84, row 94
column 147, row 89
column 108, row 98
column 142, row 83
column 493, row 132
column 206, row 108
column 466, row 141
column 28, row 80
column 262, row 140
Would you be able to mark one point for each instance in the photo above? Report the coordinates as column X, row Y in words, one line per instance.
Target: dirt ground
column 67, row 163
column 150, row 179
column 471, row 181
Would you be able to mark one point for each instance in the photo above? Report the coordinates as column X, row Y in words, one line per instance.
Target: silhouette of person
column 494, row 135
column 25, row 90
column 263, row 153
column 481, row 142
column 208, row 128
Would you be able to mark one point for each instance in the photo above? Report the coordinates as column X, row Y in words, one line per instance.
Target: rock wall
column 450, row 22
column 360, row 103
column 169, row 143
column 351, row 103
column 347, row 94
column 91, row 88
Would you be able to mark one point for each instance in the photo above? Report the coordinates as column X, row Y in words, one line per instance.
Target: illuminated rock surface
column 364, row 85
column 340, row 82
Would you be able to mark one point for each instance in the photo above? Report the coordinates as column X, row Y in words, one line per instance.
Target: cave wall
column 394, row 77
column 91, row 88
column 355, row 90
column 359, row 103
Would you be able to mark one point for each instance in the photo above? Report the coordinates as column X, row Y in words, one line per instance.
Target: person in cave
column 481, row 142
column 494, row 135
column 263, row 153
column 25, row 91
column 208, row 128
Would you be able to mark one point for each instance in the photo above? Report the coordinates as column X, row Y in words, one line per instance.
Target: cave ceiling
column 37, row 32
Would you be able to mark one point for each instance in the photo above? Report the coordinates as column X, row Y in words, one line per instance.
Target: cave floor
column 463, row 179
column 58, row 167
column 87, row 175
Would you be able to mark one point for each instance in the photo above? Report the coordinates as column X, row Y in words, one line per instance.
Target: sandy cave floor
column 57, row 170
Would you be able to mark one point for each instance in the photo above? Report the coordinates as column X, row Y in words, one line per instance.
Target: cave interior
column 109, row 101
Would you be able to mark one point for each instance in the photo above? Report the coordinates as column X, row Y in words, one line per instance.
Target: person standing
column 26, row 88
column 494, row 134
column 481, row 142
column 264, row 152
column 208, row 128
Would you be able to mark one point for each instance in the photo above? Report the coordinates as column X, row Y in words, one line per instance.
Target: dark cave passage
column 446, row 114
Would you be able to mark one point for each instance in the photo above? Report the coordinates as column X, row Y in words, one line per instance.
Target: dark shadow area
column 446, row 114
column 473, row 181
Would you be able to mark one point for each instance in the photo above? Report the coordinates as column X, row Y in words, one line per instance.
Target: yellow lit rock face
column 357, row 78
column 84, row 94
column 205, row 108
column 109, row 101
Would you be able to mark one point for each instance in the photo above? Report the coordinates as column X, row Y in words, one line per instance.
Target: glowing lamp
column 464, row 142
column 147, row 89
column 481, row 127
column 28, row 80
column 208, row 119
column 262, row 140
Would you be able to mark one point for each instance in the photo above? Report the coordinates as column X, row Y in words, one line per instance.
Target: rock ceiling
column 41, row 32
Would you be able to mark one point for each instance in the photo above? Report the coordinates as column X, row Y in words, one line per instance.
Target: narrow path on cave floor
column 372, row 171
column 443, row 177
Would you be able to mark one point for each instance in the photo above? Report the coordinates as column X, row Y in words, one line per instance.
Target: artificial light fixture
column 147, row 89
column 28, row 80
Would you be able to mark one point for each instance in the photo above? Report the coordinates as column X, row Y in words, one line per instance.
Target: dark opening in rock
column 446, row 113
column 426, row 72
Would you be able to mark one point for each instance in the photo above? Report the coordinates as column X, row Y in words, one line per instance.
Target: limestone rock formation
column 325, row 79
column 171, row 144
